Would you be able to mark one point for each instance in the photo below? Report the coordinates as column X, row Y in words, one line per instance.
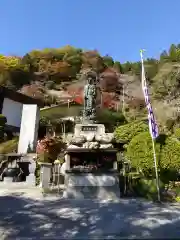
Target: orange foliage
column 92, row 59
column 61, row 68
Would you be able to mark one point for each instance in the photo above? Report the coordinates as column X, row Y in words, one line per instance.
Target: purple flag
column 153, row 128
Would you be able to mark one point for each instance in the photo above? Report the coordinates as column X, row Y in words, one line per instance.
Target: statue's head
column 91, row 77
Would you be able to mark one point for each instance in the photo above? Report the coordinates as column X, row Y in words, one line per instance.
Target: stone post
column 67, row 161
column 31, row 178
column 115, row 165
column 45, row 175
column 31, row 159
column 66, row 176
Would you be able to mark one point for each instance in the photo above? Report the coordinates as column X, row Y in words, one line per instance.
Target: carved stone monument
column 29, row 128
column 91, row 162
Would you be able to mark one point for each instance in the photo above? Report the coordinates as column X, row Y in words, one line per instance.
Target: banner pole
column 156, row 171
column 150, row 118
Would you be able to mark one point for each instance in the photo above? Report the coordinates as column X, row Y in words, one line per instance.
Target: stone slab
column 29, row 128
column 91, row 180
column 89, row 186
column 85, row 129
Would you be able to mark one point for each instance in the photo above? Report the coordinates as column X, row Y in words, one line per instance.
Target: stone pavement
column 26, row 214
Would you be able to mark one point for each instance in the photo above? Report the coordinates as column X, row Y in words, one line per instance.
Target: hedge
column 126, row 132
column 111, row 117
column 140, row 153
column 147, row 188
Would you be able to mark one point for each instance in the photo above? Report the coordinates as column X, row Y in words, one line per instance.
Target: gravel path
column 26, row 214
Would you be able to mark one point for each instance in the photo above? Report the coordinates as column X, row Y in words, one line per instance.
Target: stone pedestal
column 67, row 161
column 101, row 184
column 8, row 180
column 45, row 175
column 92, row 186
column 30, row 179
column 67, row 167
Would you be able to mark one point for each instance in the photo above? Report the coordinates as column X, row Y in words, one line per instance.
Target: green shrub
column 177, row 199
column 177, row 133
column 44, row 157
column 3, row 120
column 147, row 188
column 110, row 118
column 9, row 146
column 44, row 121
column 140, row 153
column 128, row 131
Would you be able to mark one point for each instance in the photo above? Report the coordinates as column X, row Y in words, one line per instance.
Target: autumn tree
column 164, row 56
column 109, row 80
column 118, row 67
column 127, row 67
column 108, row 61
column 173, row 53
column 92, row 60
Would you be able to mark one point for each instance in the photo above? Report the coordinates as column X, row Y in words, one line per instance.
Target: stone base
column 31, row 180
column 100, row 193
column 8, row 180
column 90, row 186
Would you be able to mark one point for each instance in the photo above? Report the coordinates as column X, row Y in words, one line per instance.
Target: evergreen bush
column 126, row 132
column 140, row 153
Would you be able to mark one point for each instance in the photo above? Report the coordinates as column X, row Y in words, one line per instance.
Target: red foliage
column 109, row 80
column 51, row 146
column 108, row 99
column 78, row 100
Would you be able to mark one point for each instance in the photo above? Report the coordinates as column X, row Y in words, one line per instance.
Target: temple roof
column 19, row 97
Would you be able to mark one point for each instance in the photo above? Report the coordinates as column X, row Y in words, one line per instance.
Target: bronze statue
column 90, row 94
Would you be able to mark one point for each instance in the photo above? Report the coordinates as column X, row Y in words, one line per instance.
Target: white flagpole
column 153, row 145
column 156, row 171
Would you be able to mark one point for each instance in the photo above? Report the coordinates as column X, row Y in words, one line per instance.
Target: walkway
column 26, row 214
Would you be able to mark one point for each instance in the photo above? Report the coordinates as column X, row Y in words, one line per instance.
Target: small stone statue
column 90, row 94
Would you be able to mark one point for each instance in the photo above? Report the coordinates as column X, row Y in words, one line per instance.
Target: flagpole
column 156, row 171
column 153, row 145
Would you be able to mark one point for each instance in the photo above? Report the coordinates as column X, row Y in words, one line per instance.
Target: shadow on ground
column 22, row 217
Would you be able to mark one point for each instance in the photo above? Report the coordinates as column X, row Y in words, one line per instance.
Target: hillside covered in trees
column 61, row 69
column 41, row 73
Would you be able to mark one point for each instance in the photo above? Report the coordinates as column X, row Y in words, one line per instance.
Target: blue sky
column 118, row 27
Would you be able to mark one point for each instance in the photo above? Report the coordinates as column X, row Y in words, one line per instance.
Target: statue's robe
column 89, row 96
